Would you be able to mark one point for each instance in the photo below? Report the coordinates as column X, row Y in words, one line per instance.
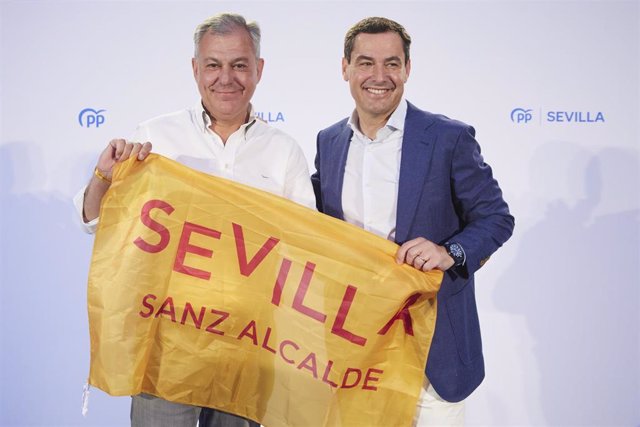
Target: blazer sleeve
column 484, row 215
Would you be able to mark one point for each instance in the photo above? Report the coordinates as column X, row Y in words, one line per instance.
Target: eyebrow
column 211, row 58
column 363, row 57
column 369, row 58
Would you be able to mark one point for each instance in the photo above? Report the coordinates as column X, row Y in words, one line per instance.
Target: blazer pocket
column 463, row 315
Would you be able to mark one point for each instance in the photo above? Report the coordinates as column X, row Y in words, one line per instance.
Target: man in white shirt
column 418, row 179
column 221, row 136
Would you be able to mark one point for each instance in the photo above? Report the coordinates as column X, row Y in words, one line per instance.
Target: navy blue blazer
column 446, row 193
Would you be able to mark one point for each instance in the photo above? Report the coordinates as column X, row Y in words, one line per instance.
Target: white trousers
column 433, row 411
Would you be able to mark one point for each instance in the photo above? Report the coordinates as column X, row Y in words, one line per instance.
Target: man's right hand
column 117, row 151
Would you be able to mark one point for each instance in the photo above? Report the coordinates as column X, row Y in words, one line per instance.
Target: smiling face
column 227, row 71
column 376, row 74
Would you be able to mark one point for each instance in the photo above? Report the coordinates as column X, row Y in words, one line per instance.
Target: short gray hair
column 225, row 23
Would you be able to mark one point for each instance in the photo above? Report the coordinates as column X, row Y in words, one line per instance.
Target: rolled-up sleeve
column 78, row 202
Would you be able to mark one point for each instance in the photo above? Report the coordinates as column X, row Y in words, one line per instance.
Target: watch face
column 456, row 251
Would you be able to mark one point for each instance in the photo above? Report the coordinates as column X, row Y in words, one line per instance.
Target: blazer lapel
column 334, row 171
column 417, row 149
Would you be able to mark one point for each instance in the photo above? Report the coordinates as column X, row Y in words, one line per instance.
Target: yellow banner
column 207, row 292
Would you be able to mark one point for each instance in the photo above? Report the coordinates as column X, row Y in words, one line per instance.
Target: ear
column 260, row 66
column 345, row 65
column 408, row 68
column 194, row 66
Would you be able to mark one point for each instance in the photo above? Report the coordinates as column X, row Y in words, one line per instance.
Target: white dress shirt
column 256, row 154
column 372, row 172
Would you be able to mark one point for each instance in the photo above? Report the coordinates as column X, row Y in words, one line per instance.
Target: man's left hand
column 424, row 255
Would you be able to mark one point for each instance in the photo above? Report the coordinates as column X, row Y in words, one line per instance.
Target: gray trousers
column 151, row 411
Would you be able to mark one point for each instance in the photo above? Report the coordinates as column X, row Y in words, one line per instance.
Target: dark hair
column 376, row 25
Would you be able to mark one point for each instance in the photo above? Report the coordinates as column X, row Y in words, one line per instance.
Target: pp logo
column 520, row 115
column 90, row 117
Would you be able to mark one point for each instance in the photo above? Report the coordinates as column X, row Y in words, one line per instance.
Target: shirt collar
column 206, row 118
column 395, row 122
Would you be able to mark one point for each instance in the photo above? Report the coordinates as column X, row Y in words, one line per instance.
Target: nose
column 226, row 75
column 379, row 72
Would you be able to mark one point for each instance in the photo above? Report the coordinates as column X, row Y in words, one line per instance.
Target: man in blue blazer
column 419, row 179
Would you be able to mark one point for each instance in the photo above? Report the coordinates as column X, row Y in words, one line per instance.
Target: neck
column 224, row 130
column 370, row 125
column 224, row 127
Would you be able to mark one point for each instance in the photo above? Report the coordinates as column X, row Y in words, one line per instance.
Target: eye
column 365, row 64
column 240, row 67
column 213, row 65
column 393, row 65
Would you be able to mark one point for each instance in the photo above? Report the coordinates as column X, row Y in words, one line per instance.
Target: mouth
column 226, row 92
column 377, row 91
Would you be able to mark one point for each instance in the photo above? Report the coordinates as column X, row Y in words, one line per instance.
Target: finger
column 401, row 255
column 428, row 265
column 415, row 258
column 119, row 146
column 107, row 157
column 135, row 149
column 126, row 152
column 144, row 151
column 409, row 255
column 418, row 262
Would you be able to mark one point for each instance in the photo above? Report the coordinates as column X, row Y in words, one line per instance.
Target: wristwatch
column 456, row 252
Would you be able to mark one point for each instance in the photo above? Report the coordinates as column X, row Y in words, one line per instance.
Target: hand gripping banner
column 211, row 293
